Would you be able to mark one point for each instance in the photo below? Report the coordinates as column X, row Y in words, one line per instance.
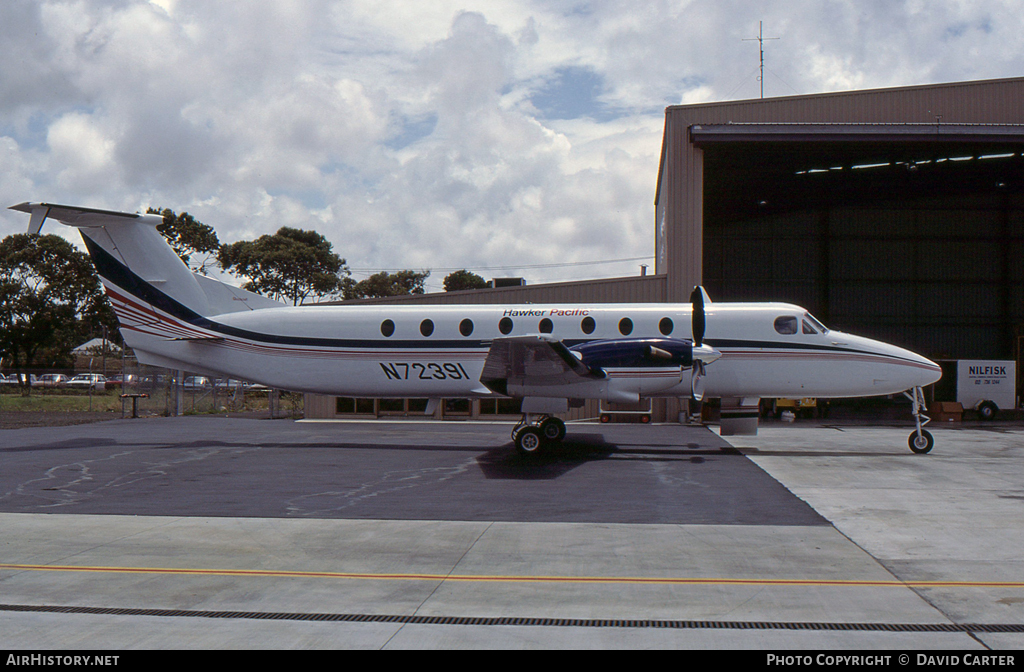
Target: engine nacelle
column 632, row 353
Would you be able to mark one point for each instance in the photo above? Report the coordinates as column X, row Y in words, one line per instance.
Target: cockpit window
column 786, row 325
column 821, row 328
column 808, row 329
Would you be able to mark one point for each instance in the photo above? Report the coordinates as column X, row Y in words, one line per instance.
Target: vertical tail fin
column 129, row 254
column 161, row 305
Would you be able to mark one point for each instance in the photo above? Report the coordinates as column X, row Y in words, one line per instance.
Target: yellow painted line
column 483, row 578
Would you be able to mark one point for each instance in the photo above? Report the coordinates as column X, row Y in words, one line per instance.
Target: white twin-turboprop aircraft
column 550, row 356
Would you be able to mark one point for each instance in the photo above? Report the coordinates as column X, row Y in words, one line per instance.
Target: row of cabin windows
column 790, row 324
column 546, row 326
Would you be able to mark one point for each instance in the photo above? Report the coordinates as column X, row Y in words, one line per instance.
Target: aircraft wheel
column 552, row 429
column 529, row 441
column 921, row 444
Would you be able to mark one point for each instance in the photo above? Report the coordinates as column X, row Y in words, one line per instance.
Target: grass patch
column 159, row 402
column 102, row 401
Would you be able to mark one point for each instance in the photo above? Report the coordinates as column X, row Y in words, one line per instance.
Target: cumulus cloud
column 456, row 133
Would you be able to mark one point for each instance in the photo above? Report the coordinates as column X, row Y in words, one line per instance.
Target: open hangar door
column 897, row 232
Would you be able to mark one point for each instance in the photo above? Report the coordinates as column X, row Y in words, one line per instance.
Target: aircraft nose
column 903, row 369
column 918, row 371
column 929, row 373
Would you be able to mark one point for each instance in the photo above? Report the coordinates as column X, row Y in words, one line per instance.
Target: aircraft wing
column 535, row 360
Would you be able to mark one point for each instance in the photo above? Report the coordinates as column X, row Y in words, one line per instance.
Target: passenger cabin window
column 546, row 326
column 387, row 327
column 505, row 326
column 786, row 325
column 466, row 327
column 426, row 327
column 588, row 325
column 625, row 326
column 666, row 326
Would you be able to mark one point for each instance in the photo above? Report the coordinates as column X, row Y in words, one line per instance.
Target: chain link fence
column 150, row 390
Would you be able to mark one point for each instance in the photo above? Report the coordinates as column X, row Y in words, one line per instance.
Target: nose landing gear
column 920, row 440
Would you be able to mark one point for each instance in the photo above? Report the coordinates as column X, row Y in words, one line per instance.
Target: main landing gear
column 534, row 432
column 920, row 440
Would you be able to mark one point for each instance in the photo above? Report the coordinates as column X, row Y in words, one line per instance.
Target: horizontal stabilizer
column 72, row 215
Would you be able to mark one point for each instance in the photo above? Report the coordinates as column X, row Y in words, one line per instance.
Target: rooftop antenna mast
column 760, row 43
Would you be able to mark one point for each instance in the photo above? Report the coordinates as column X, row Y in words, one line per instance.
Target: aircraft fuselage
column 439, row 350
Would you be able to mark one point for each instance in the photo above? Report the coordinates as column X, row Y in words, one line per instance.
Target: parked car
column 230, row 384
column 12, row 379
column 51, row 380
column 86, row 380
column 119, row 380
column 195, row 383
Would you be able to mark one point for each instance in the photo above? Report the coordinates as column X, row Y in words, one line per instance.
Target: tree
column 188, row 236
column 291, row 264
column 388, row 284
column 463, row 279
column 50, row 300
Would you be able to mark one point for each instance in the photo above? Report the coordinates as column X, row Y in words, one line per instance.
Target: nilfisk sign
column 984, row 383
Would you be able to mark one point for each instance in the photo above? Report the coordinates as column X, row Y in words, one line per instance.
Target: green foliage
column 188, row 236
column 292, row 264
column 388, row 284
column 50, row 301
column 463, row 279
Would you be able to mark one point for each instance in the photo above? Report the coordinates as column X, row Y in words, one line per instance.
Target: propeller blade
column 697, row 381
column 699, row 320
column 702, row 354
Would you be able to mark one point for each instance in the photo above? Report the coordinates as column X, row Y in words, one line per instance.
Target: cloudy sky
column 510, row 137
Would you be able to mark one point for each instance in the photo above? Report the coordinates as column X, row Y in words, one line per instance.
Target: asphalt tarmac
column 207, row 532
column 390, row 471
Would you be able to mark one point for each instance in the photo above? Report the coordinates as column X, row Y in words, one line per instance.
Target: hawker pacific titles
column 550, row 357
column 560, row 312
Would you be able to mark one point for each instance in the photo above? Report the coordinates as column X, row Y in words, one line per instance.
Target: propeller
column 702, row 354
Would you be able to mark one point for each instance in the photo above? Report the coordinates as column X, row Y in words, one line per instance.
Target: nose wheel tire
column 920, row 440
column 921, row 444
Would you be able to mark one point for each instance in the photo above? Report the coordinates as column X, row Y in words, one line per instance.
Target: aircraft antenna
column 760, row 43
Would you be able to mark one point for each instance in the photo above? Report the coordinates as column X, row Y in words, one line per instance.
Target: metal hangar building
column 893, row 213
